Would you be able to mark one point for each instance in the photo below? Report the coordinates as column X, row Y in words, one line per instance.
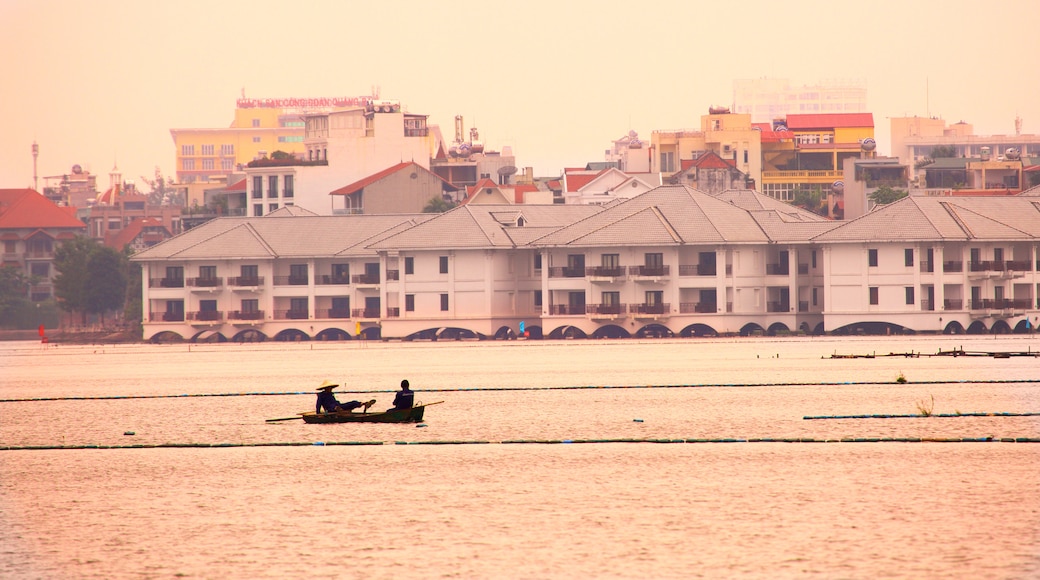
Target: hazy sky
column 102, row 82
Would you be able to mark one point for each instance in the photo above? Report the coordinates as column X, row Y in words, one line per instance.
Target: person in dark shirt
column 405, row 398
column 327, row 401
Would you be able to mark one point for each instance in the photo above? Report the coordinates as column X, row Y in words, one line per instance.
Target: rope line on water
column 920, row 416
column 988, row 439
column 558, row 388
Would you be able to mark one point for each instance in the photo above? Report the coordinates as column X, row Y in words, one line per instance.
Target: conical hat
column 327, row 385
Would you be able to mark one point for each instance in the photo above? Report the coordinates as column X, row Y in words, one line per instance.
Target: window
column 872, row 258
column 188, row 164
column 444, row 302
column 187, row 150
column 341, row 273
column 272, row 186
column 611, row 298
column 298, row 274
column 609, row 261
column 272, row 206
column 227, row 164
column 41, row 269
column 258, row 209
column 227, row 149
column 256, row 122
column 340, row 307
column 289, row 190
column 10, row 246
column 815, row 296
column 538, row 298
column 537, row 262
column 873, row 295
column 409, row 265
column 207, row 164
column 444, row 268
column 258, row 187
column 908, row 257
column 207, row 305
column 653, row 260
column 297, row 308
column 207, row 150
column 256, row 139
column 909, row 294
column 668, row 162
column 813, row 259
column 409, row 302
column 208, row 272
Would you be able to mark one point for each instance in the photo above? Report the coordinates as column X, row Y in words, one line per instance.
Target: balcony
column 393, row 312
column 649, row 271
column 954, row 304
column 605, row 309
column 290, row 280
column 291, row 314
column 803, row 306
column 778, row 307
column 173, row 317
column 1017, row 265
column 661, row 309
column 777, row 270
column 605, row 271
column 697, row 270
column 328, row 280
column 956, row 266
column 803, row 269
column 698, row 307
column 927, row 305
column 371, row 313
column 208, row 282
column 245, row 281
column 1002, row 304
column 986, row 266
column 566, row 272
column 246, row 315
column 206, row 316
column 927, row 267
column 166, row 282
column 369, row 279
column 566, row 310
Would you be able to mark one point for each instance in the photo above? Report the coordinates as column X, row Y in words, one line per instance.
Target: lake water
column 586, row 495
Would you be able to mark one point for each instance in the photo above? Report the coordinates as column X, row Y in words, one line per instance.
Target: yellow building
column 728, row 135
column 260, row 127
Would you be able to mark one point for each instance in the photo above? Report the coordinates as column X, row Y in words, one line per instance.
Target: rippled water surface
column 522, row 472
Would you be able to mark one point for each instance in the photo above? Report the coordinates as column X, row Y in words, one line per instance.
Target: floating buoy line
column 920, row 416
column 557, row 388
column 988, row 439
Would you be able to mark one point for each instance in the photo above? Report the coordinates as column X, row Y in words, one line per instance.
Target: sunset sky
column 102, row 82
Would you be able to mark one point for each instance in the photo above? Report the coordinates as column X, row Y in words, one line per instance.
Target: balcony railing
column 777, row 270
column 166, row 282
column 927, row 304
column 365, row 313
column 605, row 271
column 927, row 266
column 332, row 313
column 565, row 309
column 803, row 306
column 649, row 270
column 393, row 312
column 1017, row 265
column 207, row 282
column 803, row 269
column 291, row 314
column 1002, row 304
column 698, row 307
column 326, row 279
column 957, row 266
column 605, row 309
column 365, row 278
column 697, row 270
column 778, row 307
column 245, row 281
column 246, row 315
column 653, row 309
column 393, row 274
column 566, row 272
column 290, row 280
column 206, row 315
column 173, row 317
column 986, row 266
column 953, row 304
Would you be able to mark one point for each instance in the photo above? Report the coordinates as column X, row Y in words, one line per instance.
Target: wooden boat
column 413, row 415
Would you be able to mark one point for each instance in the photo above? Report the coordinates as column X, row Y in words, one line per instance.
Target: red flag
column 41, row 330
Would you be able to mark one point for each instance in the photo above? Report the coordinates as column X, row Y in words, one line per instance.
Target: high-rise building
column 769, row 99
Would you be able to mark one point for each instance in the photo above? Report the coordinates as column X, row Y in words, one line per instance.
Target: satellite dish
column 507, row 170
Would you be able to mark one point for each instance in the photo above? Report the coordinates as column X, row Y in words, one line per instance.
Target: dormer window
column 520, row 222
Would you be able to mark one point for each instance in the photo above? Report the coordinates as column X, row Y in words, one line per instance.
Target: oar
column 283, row 419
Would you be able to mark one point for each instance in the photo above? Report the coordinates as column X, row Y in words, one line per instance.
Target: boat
column 412, row 415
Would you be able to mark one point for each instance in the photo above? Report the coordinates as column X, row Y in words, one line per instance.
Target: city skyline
column 101, row 84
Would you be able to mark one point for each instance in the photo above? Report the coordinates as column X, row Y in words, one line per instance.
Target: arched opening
column 954, row 328
column 452, row 333
column 427, row 334
column 567, row 332
column 209, row 336
column 872, row 329
column 505, row 333
column 165, row 337
column 372, row 333
column 1024, row 326
column 698, row 330
column 1000, row 327
column 977, row 327
column 333, row 334
column 819, row 329
column 534, row 332
column 751, row 329
column 250, row 335
column 611, row 331
column 655, row 331
column 291, row 335
column 804, row 328
column 778, row 328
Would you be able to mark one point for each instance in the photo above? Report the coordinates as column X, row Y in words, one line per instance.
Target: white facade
column 670, row 262
column 768, row 99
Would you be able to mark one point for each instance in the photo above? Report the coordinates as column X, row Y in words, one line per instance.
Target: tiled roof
column 944, row 218
column 128, row 234
column 237, row 187
column 520, row 190
column 576, row 181
column 24, row 208
column 365, row 182
column 752, row 200
column 829, row 120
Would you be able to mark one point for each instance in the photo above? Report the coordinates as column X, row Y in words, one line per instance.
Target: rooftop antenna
column 35, row 153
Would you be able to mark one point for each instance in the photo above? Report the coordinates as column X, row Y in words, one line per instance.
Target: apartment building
column 671, row 262
column 767, row 99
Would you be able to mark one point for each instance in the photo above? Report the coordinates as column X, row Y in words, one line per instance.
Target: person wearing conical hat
column 327, row 401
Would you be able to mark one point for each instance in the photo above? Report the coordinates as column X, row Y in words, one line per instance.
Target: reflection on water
column 762, row 510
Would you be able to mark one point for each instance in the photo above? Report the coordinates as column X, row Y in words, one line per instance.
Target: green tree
column 811, row 200
column 14, row 289
column 106, row 282
column 886, row 194
column 943, row 151
column 281, row 155
column 437, row 204
column 70, row 261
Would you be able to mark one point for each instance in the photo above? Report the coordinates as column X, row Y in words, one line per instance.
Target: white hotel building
column 670, row 262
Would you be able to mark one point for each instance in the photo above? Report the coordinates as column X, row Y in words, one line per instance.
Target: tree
column 281, row 155
column 13, row 291
column 811, row 200
column 106, row 282
column 886, row 194
column 70, row 260
column 943, row 151
column 438, row 205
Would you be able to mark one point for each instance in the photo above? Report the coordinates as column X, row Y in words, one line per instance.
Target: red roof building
column 31, row 228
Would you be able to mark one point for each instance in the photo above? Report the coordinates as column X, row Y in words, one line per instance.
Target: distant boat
column 412, row 415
